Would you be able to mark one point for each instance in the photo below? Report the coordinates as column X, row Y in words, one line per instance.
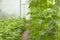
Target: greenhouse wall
column 14, row 7
column 11, row 7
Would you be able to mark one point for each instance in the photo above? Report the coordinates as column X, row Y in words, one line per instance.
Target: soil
column 25, row 35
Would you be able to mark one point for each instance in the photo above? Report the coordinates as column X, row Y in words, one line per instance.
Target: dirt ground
column 25, row 35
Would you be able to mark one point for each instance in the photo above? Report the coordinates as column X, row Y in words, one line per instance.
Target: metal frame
column 20, row 8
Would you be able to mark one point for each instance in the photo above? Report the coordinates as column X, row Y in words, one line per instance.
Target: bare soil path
column 25, row 34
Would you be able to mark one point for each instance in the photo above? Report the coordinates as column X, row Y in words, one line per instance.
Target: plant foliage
column 10, row 29
column 45, row 19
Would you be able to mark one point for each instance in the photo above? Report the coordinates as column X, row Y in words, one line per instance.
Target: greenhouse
column 29, row 19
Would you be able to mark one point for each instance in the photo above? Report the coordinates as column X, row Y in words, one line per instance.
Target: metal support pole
column 20, row 8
